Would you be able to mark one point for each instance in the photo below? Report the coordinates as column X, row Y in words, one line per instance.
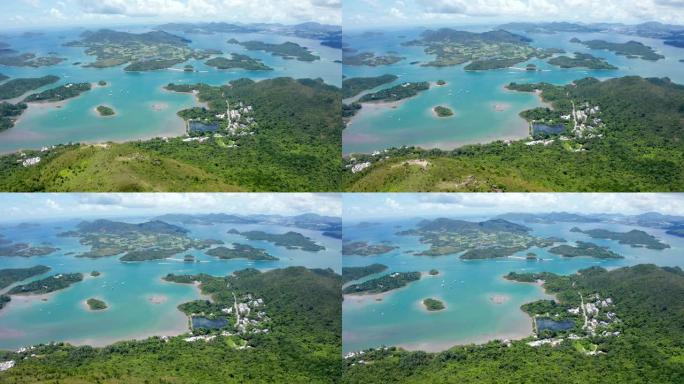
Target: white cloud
column 56, row 13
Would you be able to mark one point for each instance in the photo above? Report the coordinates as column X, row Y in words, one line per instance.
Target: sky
column 18, row 207
column 371, row 206
column 375, row 13
column 49, row 13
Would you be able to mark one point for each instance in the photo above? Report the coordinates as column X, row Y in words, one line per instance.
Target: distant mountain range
column 309, row 221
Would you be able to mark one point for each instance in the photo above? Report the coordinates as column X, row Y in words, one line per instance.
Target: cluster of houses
column 357, row 167
column 5, row 365
column 239, row 120
column 585, row 120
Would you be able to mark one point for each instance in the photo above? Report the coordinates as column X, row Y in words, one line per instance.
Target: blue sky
column 46, row 13
column 396, row 205
column 373, row 13
column 33, row 206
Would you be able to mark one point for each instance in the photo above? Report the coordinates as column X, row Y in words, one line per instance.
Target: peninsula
column 238, row 61
column 241, row 251
column 634, row 238
column 382, row 284
column 289, row 240
column 363, row 248
column 47, row 285
column 585, row 249
column 355, row 273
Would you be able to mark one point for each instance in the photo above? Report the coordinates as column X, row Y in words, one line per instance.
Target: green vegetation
column 433, row 304
column 353, row 86
column 487, row 50
column 104, row 110
column 9, row 114
column 47, row 285
column 96, row 305
column 150, row 254
column 303, row 344
column 480, row 240
column 442, row 111
column 632, row 49
column 396, row 93
column 369, row 59
column 241, row 251
column 286, row 50
column 585, row 249
column 433, row 272
column 289, row 240
column 145, row 51
column 583, row 60
column 102, row 83
column 363, row 248
column 648, row 300
column 4, row 299
column 60, row 93
column 238, row 61
column 382, row 284
column 25, row 250
column 441, row 82
column 295, row 147
column 640, row 149
column 635, row 237
column 355, row 273
column 29, row 60
column 95, row 273
column 10, row 276
column 3, row 77
column 17, row 87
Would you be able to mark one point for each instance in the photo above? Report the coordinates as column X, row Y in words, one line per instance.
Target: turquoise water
column 134, row 95
column 473, row 95
column 129, row 289
column 467, row 288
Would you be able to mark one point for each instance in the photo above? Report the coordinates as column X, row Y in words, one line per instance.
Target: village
column 234, row 122
column 586, row 124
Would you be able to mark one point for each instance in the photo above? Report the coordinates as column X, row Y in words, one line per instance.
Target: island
column 289, row 240
column 9, row 113
column 355, row 273
column 26, row 250
column 582, row 60
column 433, row 272
column 17, row 87
column 355, row 85
column 29, row 60
column 635, row 238
column 143, row 52
column 4, row 299
column 440, row 82
column 241, row 251
column 363, row 248
column 286, row 50
column 433, row 304
column 96, row 305
column 95, row 273
column 47, row 285
column 105, row 111
column 632, row 49
column 442, row 111
column 486, row 50
column 480, row 240
column 238, row 61
column 143, row 241
column 60, row 93
column 583, row 248
column 382, row 284
column 396, row 93
column 9, row 276
column 531, row 256
column 370, row 59
column 102, row 83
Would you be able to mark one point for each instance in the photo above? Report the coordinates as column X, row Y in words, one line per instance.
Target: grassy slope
column 297, row 148
column 649, row 299
column 643, row 151
column 303, row 347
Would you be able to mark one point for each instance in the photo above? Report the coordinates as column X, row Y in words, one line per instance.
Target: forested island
column 104, row 110
column 382, row 284
column 583, row 60
column 60, row 93
column 17, row 87
column 9, row 276
column 238, row 61
column 286, row 50
column 584, row 248
column 355, row 273
column 370, row 59
column 295, row 147
column 355, row 85
column 634, row 238
column 47, row 285
column 640, row 347
column 9, row 113
column 442, row 111
column 486, row 50
column 29, row 60
column 289, row 240
column 363, row 248
column 299, row 346
column 25, row 250
column 433, row 304
column 241, row 251
column 646, row 114
column 632, row 49
column 96, row 304
column 396, row 93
